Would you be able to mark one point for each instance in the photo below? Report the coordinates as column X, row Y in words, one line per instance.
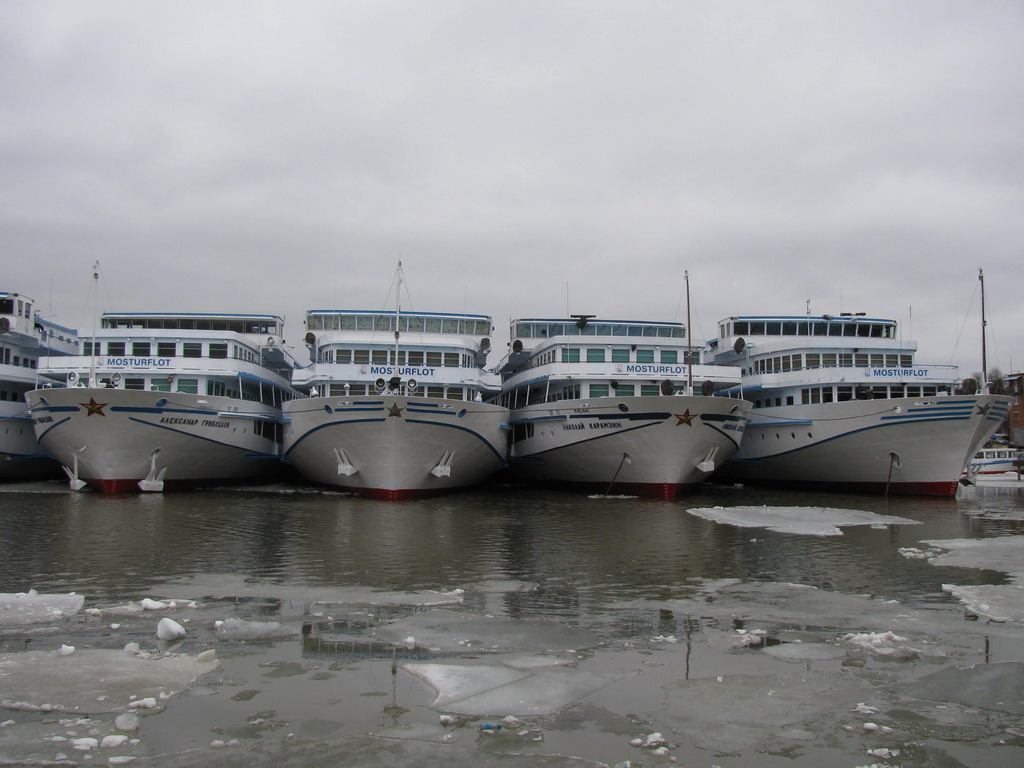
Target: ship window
column 813, row 360
column 360, row 356
column 455, row 393
column 434, row 358
column 396, row 358
column 219, row 350
column 570, row 354
column 844, row 393
column 913, row 391
column 383, row 323
column 620, row 355
column 160, row 385
column 379, row 356
column 669, row 356
column 188, row 386
column 115, row 348
column 191, row 349
column 877, row 361
column 598, row 390
column 828, row 360
column 861, row 360
column 649, row 390
column 416, row 358
column 625, row 390
column 449, row 325
column 741, row 328
column 906, row 361
column 134, row 383
column 451, row 359
column 789, row 329
column 845, row 359
column 432, row 325
column 892, row 361
column 343, row 355
column 140, row 348
column 166, row 348
column 595, row 354
column 435, row 391
column 645, row 355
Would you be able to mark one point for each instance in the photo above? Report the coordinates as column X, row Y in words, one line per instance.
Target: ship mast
column 95, row 319
column 689, row 337
column 398, row 308
column 984, row 323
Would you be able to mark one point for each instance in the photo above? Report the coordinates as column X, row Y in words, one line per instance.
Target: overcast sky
column 522, row 159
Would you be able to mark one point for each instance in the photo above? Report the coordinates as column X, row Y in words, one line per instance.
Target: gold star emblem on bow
column 92, row 407
column 686, row 417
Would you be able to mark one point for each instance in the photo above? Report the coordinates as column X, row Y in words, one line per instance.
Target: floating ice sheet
column 1003, row 553
column 221, row 586
column 498, row 690
column 810, row 521
column 94, row 681
column 446, row 630
column 998, row 687
column 1003, row 602
column 33, row 608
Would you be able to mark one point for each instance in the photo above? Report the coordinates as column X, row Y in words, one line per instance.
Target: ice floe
column 809, row 521
column 498, row 689
column 33, row 608
column 446, row 630
column 998, row 687
column 94, row 680
column 998, row 602
column 241, row 629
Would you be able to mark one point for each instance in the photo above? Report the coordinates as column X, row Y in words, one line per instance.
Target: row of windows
column 545, row 330
column 190, row 386
column 626, row 355
column 431, row 390
column 849, row 392
column 251, row 325
column 467, row 326
column 7, row 357
column 808, row 328
column 215, row 350
column 830, row 360
column 387, row 357
column 576, row 391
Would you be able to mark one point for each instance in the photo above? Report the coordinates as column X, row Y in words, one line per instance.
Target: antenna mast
column 984, row 322
column 689, row 337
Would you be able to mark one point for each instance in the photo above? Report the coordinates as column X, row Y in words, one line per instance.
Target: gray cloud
column 523, row 159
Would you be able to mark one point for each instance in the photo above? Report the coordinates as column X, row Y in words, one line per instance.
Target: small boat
column 616, row 406
column 840, row 404
column 395, row 403
column 25, row 336
column 996, row 461
column 157, row 400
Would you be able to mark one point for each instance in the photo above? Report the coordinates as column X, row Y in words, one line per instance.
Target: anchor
column 707, row 464
column 154, row 481
column 444, row 466
column 345, row 467
column 73, row 481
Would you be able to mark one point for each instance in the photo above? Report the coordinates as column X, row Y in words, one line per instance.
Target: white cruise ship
column 165, row 399
column 24, row 337
column 840, row 404
column 615, row 406
column 396, row 403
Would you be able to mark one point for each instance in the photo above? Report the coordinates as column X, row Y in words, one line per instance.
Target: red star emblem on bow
column 686, row 417
column 93, row 407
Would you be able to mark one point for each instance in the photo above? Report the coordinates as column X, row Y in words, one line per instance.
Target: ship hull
column 648, row 446
column 899, row 445
column 395, row 447
column 114, row 439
